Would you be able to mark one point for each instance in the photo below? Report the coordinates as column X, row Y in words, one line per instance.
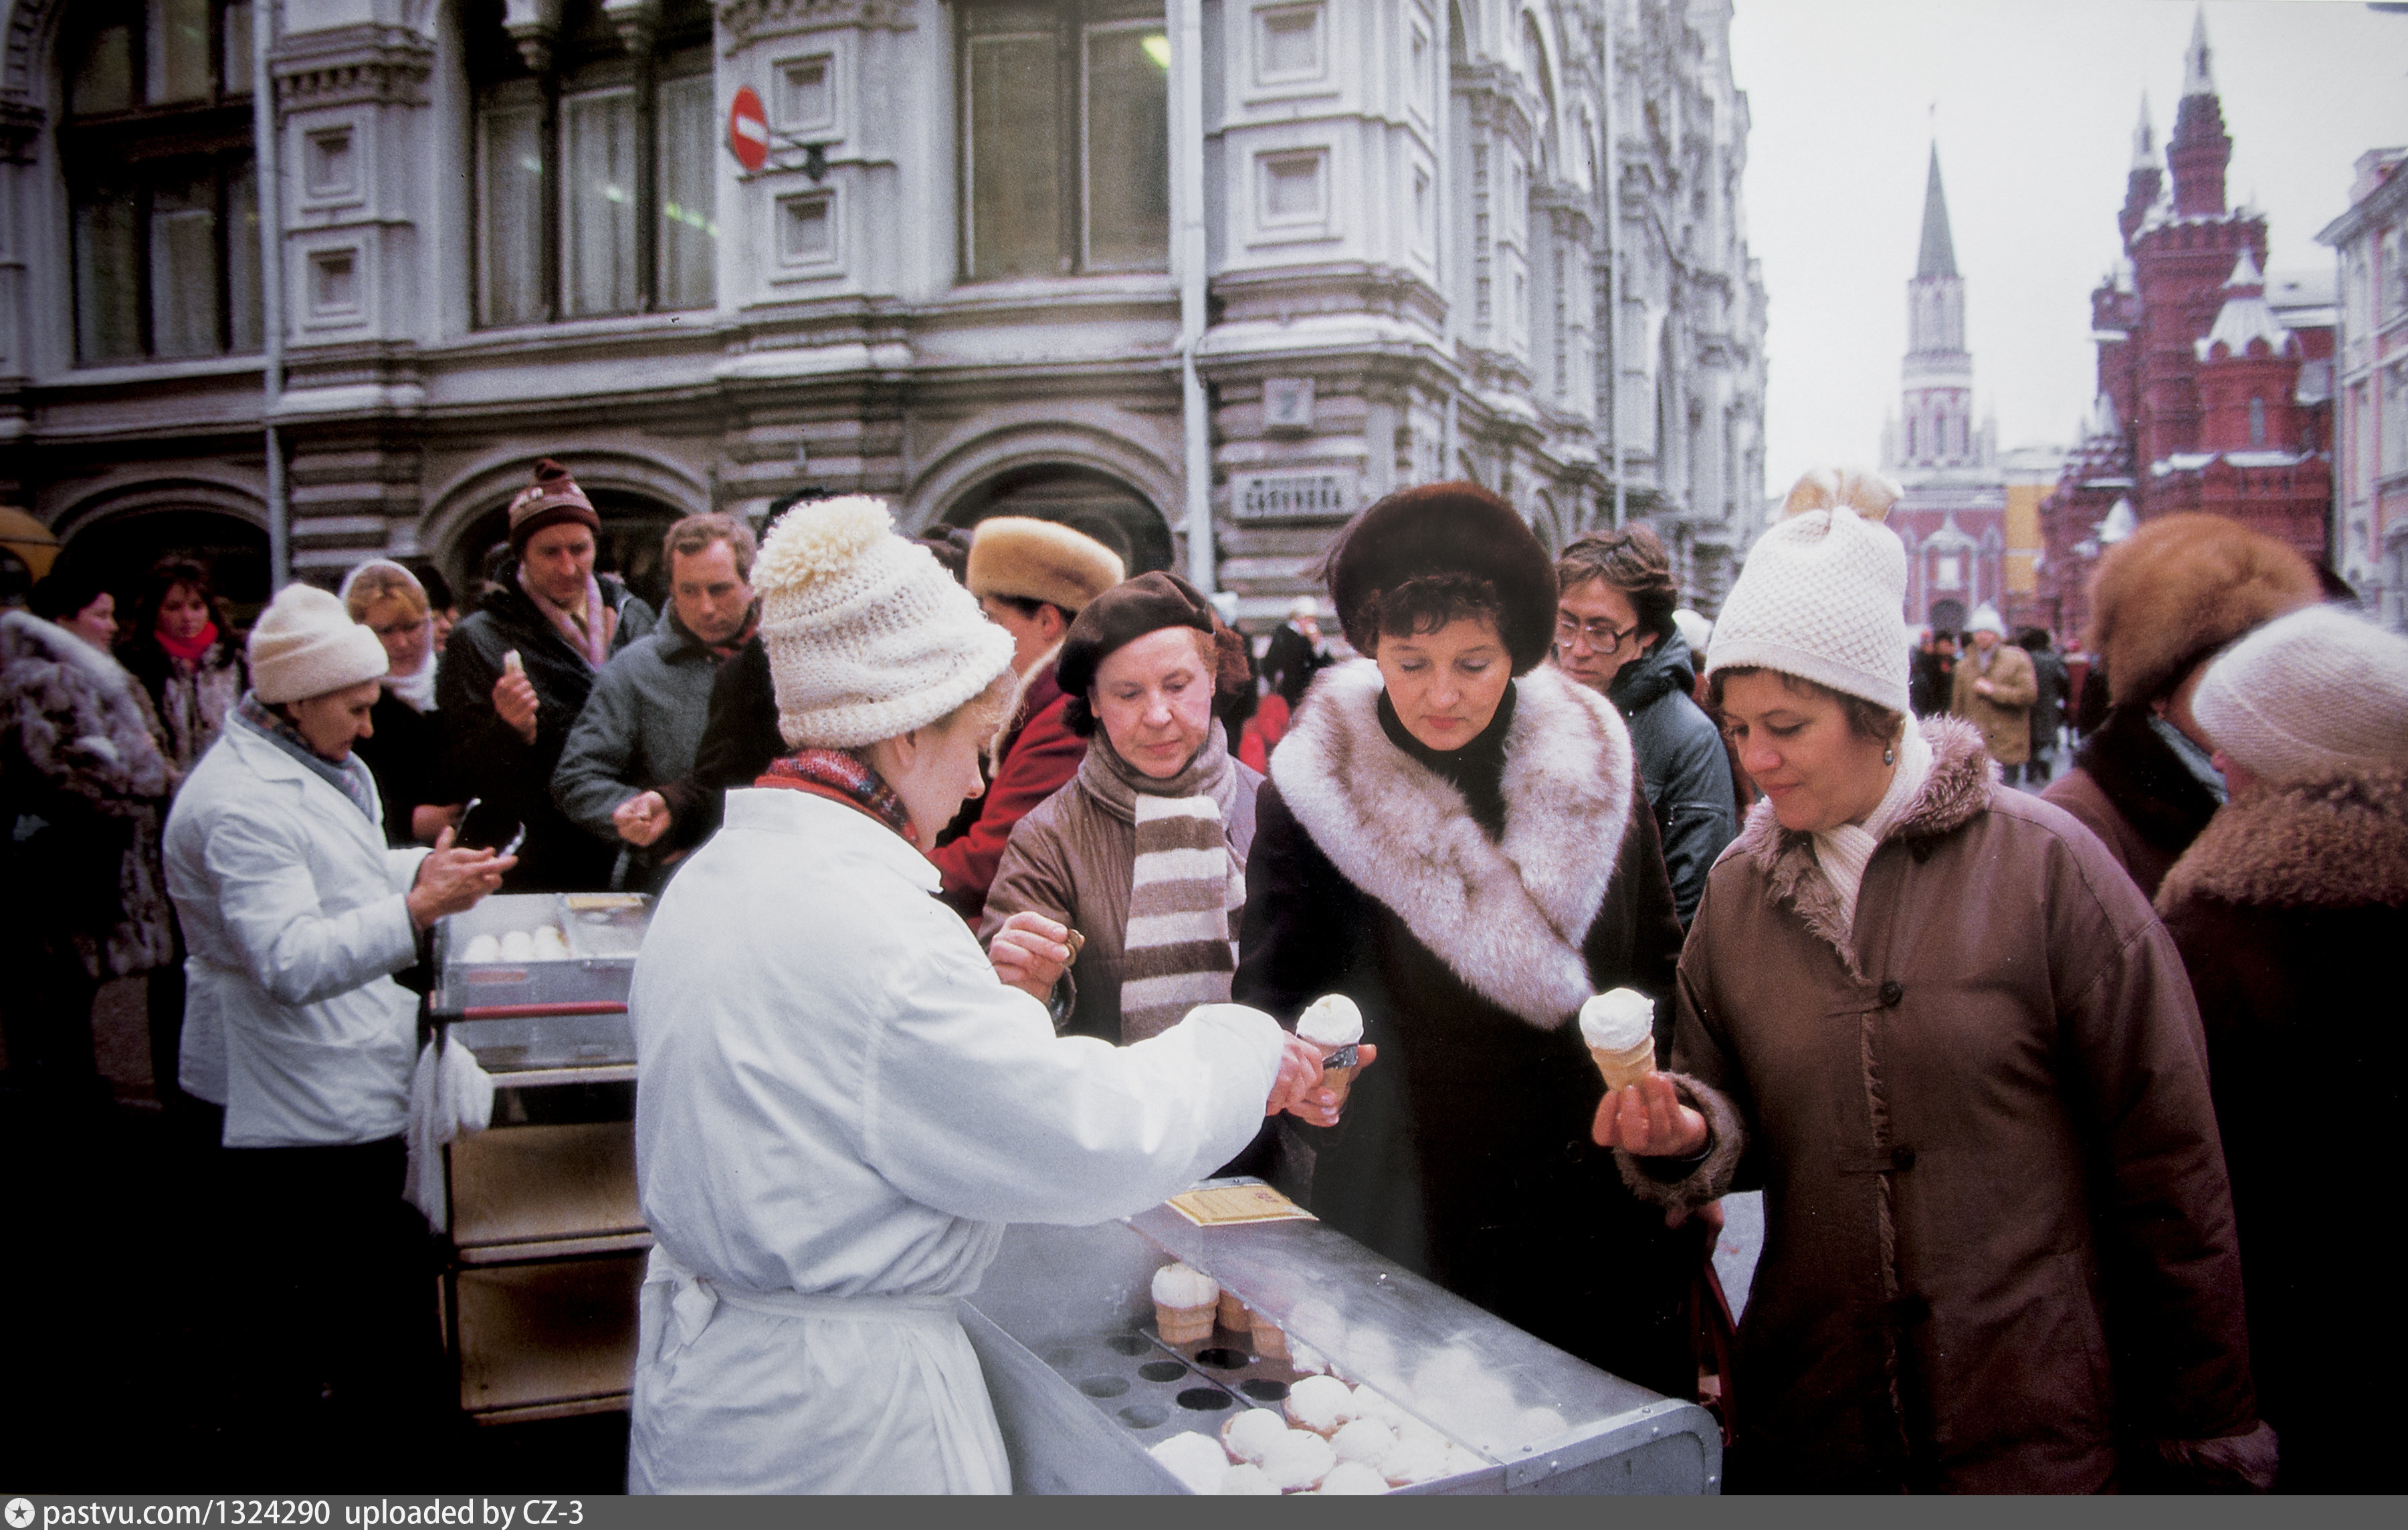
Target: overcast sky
column 2035, row 106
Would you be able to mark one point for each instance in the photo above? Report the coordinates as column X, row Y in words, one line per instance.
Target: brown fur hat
column 1437, row 529
column 1027, row 559
column 2178, row 589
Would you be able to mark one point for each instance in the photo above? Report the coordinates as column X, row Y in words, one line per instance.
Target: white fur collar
column 63, row 646
column 1508, row 917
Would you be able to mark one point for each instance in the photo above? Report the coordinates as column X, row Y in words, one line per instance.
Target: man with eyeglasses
column 1614, row 634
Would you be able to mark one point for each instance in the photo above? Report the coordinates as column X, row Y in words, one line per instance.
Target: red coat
column 1036, row 761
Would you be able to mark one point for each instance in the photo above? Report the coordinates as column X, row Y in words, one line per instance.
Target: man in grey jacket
column 623, row 775
column 1614, row 634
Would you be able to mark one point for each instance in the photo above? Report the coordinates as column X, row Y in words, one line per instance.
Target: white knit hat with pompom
column 1823, row 595
column 868, row 637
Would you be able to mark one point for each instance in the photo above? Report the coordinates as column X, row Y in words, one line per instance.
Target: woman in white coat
column 837, row 1102
column 297, row 916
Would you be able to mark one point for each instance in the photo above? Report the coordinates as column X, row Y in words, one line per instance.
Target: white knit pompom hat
column 2318, row 693
column 306, row 644
column 868, row 637
column 1823, row 597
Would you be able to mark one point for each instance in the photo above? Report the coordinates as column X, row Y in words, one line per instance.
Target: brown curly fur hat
column 2181, row 587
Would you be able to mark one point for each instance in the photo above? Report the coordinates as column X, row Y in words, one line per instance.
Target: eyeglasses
column 1598, row 634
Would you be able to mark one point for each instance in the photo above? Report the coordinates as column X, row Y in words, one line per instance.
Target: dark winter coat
column 1289, row 664
column 2291, row 910
column 405, row 754
column 191, row 701
column 1037, row 758
column 86, row 788
column 1073, row 857
column 739, row 740
column 1464, row 1153
column 485, row 757
column 1682, row 765
column 2132, row 790
column 640, row 731
column 1999, row 1242
column 2048, row 709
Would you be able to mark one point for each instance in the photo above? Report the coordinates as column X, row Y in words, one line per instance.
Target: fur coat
column 86, row 786
column 2130, row 789
column 1464, row 1151
column 2000, row 1246
column 2290, row 911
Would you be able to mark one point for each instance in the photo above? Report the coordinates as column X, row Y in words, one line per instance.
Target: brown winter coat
column 1073, row 856
column 2291, row 910
column 1999, row 1233
column 2004, row 716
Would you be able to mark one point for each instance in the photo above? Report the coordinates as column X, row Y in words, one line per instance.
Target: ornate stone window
column 1066, row 138
column 592, row 153
column 155, row 145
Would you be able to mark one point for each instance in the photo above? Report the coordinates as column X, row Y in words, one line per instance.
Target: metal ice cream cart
column 546, row 1244
column 1084, row 1383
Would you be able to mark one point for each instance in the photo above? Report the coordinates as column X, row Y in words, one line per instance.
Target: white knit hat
column 868, row 637
column 1986, row 618
column 1823, row 597
column 306, row 645
column 2318, row 693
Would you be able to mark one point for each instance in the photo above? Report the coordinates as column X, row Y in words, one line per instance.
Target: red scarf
column 832, row 773
column 193, row 649
column 730, row 649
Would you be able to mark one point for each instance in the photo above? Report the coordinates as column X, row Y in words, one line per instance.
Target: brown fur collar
column 1712, row 1177
column 1960, row 786
column 2340, row 842
column 1510, row 917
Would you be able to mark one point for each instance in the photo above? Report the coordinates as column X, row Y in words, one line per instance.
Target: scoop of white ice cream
column 1619, row 1021
column 1365, row 1439
column 1178, row 1286
column 1245, row 1480
column 1320, row 1403
column 1252, row 1432
column 1353, row 1478
column 1331, row 1020
column 1193, row 1459
column 1298, row 1459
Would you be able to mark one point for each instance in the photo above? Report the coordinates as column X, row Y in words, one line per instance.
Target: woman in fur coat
column 2163, row 601
column 87, row 783
column 1929, row 1018
column 1453, row 836
column 2291, row 909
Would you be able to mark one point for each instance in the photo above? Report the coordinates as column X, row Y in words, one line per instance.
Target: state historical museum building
column 2214, row 384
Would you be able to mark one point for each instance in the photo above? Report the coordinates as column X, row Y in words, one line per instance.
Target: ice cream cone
column 1627, row 1066
column 1186, row 1324
column 1234, row 1315
column 1337, row 1069
column 1269, row 1343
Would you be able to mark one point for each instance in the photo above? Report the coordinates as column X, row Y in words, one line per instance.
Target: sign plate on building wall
column 1293, row 496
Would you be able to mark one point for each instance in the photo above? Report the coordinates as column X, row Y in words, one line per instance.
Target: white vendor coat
column 293, row 915
column 837, row 1106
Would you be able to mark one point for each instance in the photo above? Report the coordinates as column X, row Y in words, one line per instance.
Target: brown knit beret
column 1446, row 528
column 1126, row 612
column 2181, row 587
column 552, row 499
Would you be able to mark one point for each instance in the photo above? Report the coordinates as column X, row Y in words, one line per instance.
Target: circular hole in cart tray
column 1130, row 1344
column 1222, row 1359
column 1162, row 1370
column 1104, row 1386
column 1145, row 1416
column 1203, row 1400
column 1060, row 1355
column 1263, row 1390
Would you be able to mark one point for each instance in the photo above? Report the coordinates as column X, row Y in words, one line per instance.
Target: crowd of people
column 992, row 882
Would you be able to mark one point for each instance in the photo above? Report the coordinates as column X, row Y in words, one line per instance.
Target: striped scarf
column 1183, row 888
column 839, row 777
column 349, row 775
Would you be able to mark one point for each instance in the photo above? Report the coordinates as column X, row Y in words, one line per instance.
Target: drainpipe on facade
column 271, row 284
column 1613, row 190
column 1187, row 197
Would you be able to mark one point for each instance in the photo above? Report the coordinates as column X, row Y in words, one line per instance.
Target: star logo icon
column 20, row 1513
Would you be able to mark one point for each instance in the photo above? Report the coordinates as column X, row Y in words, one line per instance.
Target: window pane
column 598, row 223
column 182, row 68
column 109, row 321
column 237, row 48
column 510, row 216
column 103, row 78
column 1129, row 148
column 689, row 246
column 184, row 265
column 1015, row 158
column 242, row 256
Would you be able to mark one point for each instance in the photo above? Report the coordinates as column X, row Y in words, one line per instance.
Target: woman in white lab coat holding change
column 837, row 1104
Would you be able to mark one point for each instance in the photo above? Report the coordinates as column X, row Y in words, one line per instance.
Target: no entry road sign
column 748, row 130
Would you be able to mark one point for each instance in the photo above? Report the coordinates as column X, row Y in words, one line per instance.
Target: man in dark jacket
column 517, row 672
column 2048, row 712
column 1614, row 634
column 1296, row 652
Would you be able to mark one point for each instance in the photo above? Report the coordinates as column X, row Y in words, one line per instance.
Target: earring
column 1889, row 756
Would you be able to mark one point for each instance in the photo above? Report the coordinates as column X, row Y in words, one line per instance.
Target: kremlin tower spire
column 1936, row 419
column 2201, row 148
column 2141, row 187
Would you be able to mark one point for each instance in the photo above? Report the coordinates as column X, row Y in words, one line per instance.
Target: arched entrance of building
column 629, row 545
column 1082, row 498
column 121, row 548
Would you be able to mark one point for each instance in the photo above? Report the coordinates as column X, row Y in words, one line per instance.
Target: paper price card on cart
column 1228, row 1206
